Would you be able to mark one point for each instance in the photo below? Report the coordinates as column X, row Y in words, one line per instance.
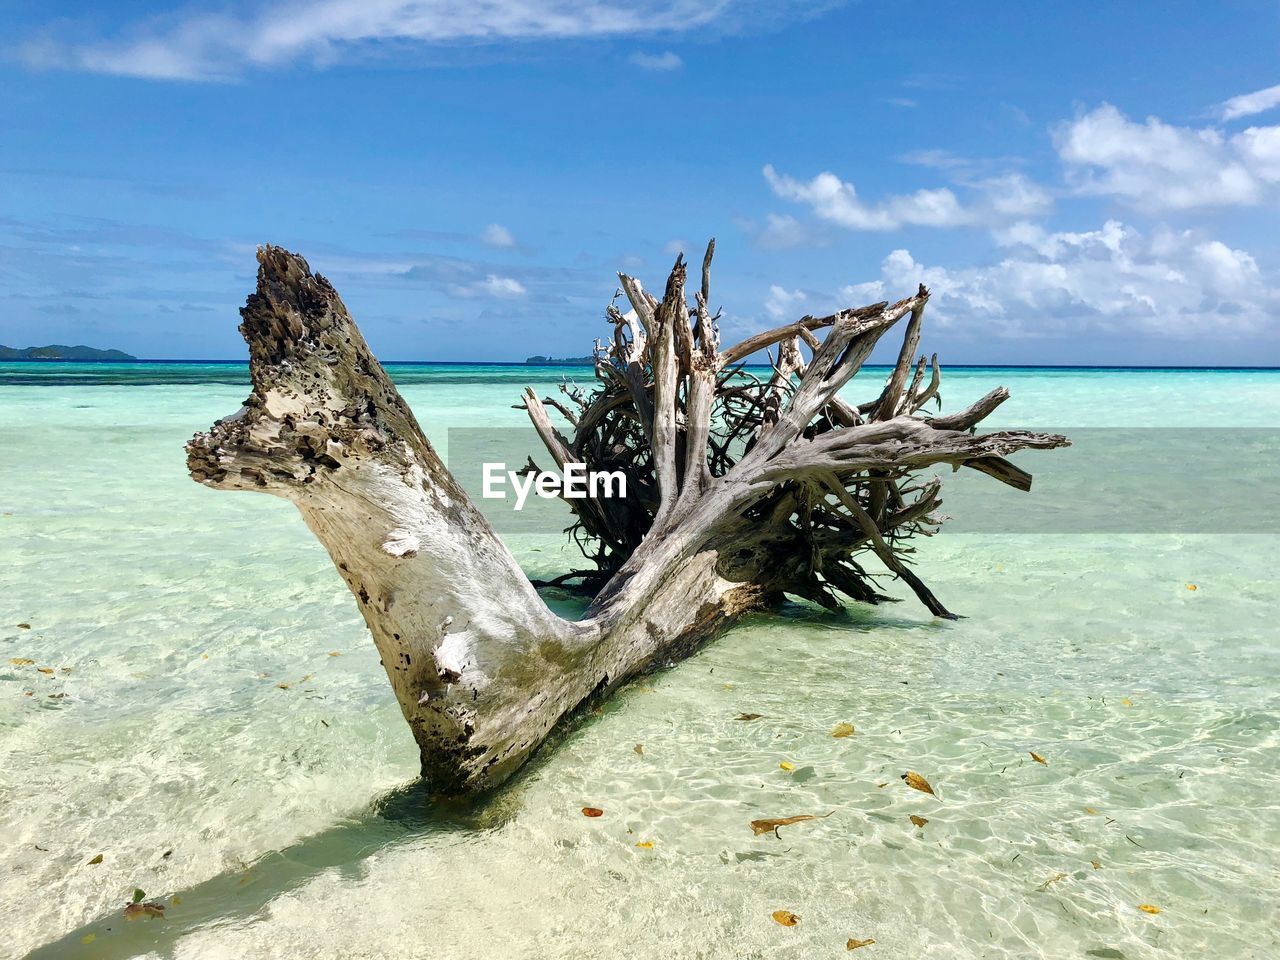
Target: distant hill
column 58, row 351
column 560, row 362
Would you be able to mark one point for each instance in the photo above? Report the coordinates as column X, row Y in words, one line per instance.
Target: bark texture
column 741, row 489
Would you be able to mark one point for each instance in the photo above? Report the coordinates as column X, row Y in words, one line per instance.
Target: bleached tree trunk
column 481, row 668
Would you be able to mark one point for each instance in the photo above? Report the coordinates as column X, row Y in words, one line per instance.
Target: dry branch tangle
column 741, row 490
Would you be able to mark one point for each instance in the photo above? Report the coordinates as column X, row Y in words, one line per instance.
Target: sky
column 1086, row 183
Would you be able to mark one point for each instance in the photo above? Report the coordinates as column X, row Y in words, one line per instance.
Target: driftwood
column 741, row 489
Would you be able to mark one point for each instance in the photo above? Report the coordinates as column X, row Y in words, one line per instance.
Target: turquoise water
column 285, row 819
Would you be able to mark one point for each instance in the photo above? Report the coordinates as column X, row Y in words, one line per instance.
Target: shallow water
column 286, row 821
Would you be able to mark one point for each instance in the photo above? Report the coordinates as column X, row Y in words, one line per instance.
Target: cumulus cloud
column 212, row 46
column 660, row 62
column 1247, row 104
column 505, row 288
column 496, row 235
column 1115, row 278
column 781, row 303
column 1157, row 166
column 993, row 200
column 492, row 286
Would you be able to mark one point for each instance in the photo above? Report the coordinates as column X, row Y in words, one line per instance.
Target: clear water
column 286, row 821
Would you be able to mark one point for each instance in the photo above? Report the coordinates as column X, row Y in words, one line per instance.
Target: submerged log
column 742, row 490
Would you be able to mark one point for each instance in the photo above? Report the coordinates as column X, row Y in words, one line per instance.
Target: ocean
column 187, row 691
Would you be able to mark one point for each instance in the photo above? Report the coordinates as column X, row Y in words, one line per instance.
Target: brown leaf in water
column 785, row 917
column 749, row 716
column 21, row 661
column 639, row 748
column 335, row 653
column 44, row 669
column 96, row 860
column 1037, row 758
column 1192, row 586
column 765, row 826
column 283, row 686
column 855, row 944
column 151, row 908
column 918, row 821
column 1148, row 908
column 917, row 782
column 842, row 730
column 24, row 626
column 1095, row 864
column 592, row 812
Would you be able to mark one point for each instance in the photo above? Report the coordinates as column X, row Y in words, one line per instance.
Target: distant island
column 58, row 351
column 561, row 362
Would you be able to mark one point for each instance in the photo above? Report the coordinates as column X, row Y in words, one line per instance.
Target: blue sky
column 1083, row 183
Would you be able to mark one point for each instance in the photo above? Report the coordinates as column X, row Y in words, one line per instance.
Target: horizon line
column 525, row 365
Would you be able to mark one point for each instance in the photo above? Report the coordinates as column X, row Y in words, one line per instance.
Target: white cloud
column 506, row 288
column 494, row 286
column 212, row 46
column 660, row 62
column 1114, row 278
column 780, row 303
column 995, row 199
column 496, row 235
column 1157, row 166
column 1247, row 104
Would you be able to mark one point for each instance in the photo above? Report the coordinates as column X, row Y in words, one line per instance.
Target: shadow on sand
column 405, row 814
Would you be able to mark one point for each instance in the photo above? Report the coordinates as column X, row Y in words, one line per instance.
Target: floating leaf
column 787, row 766
column 1037, row 758
column 138, row 895
column 855, row 944
column 175, row 900
column 21, row 661
column 1125, row 701
column 150, row 908
column 645, row 844
column 785, row 917
column 765, row 826
column 283, row 686
column 96, row 860
column 917, row 782
column 335, row 653
column 1095, row 864
column 842, row 730
column 1148, row 908
column 89, row 938
column 1192, row 586
column 749, row 716
column 592, row 812
column 918, row 821
column 1091, row 811
column 24, row 626
column 639, row 748
column 44, row 669
column 1051, row 881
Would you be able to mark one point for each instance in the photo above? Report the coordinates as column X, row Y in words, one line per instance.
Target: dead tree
column 741, row 490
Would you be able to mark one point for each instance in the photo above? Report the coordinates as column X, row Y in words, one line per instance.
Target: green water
column 287, row 823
